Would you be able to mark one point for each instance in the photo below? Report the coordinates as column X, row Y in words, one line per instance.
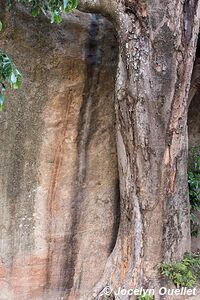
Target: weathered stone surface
column 58, row 167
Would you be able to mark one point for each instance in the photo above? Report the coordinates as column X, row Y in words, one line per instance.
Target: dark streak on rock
column 58, row 159
column 93, row 60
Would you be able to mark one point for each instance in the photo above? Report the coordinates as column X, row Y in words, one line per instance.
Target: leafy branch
column 9, row 76
column 52, row 8
column 183, row 273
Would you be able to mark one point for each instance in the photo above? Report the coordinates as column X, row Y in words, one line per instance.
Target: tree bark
column 156, row 53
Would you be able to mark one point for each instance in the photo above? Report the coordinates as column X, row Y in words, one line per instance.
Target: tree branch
column 90, row 6
column 104, row 7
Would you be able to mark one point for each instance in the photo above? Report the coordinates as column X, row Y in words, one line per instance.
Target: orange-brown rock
column 58, row 167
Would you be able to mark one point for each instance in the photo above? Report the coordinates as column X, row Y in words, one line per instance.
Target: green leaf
column 55, row 18
column 74, row 4
column 16, row 85
column 9, row 76
column 1, row 26
column 35, row 11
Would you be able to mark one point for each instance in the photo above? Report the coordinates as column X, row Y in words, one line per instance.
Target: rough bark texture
column 157, row 46
column 68, row 179
column 59, row 190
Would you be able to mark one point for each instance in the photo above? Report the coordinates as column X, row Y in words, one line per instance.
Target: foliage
column 52, row 8
column 183, row 273
column 145, row 297
column 194, row 189
column 9, row 76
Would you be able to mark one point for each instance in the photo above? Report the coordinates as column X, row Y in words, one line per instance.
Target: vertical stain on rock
column 57, row 164
column 93, row 61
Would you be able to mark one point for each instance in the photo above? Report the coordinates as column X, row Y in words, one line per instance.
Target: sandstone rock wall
column 58, row 168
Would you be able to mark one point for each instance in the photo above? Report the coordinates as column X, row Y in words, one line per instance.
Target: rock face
column 58, row 169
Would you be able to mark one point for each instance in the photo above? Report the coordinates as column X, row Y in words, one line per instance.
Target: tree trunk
column 156, row 53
